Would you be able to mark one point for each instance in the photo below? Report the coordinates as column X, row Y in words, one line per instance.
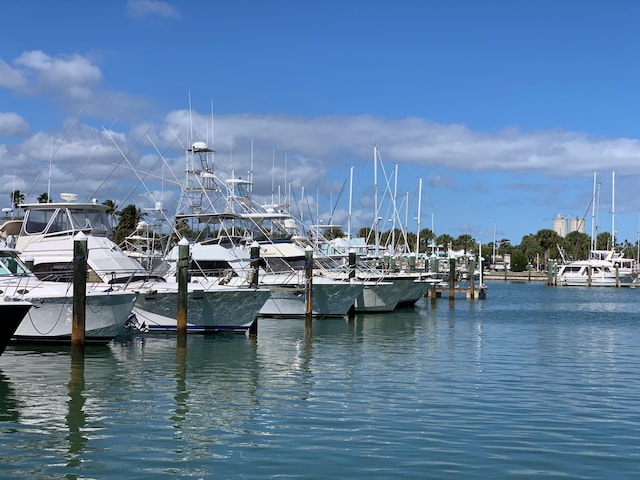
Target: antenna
column 251, row 168
column 285, row 179
column 273, row 174
column 212, row 141
column 350, row 202
column 50, row 160
column 613, row 209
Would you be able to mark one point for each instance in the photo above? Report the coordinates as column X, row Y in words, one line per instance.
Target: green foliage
column 113, row 208
column 128, row 219
column 465, row 242
column 576, row 246
column 445, row 240
column 519, row 262
column 367, row 234
column 603, row 241
column 333, row 232
column 17, row 198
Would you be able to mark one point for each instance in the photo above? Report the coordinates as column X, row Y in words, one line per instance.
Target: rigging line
column 127, row 160
column 55, row 151
column 335, row 205
column 295, row 200
column 95, row 151
column 165, row 163
column 150, row 174
column 95, row 193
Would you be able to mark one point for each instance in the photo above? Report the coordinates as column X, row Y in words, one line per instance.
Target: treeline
column 533, row 249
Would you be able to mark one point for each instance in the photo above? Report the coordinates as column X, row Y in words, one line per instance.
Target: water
column 532, row 382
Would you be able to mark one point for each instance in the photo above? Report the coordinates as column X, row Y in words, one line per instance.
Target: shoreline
column 515, row 276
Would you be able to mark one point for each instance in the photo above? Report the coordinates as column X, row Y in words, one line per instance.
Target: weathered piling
column 254, row 261
column 552, row 273
column 472, row 280
column 182, row 274
column 308, row 282
column 80, row 253
column 452, row 278
column 352, row 275
column 411, row 262
column 352, row 263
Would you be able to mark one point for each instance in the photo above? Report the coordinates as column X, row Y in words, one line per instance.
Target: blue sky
column 504, row 109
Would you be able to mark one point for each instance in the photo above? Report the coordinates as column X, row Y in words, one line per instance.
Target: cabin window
column 37, row 220
column 90, row 220
column 214, row 268
column 9, row 265
column 60, row 223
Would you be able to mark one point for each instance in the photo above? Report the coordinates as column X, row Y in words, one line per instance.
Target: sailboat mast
column 375, row 197
column 273, row 174
column 418, row 220
column 613, row 209
column 395, row 209
column 350, row 202
column 593, row 214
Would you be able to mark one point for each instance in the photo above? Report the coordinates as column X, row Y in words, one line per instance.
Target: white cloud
column 73, row 76
column 13, row 125
column 319, row 152
column 144, row 8
column 339, row 141
column 10, row 77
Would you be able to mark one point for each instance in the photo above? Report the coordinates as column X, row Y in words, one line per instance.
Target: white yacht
column 225, row 258
column 603, row 268
column 47, row 234
column 50, row 318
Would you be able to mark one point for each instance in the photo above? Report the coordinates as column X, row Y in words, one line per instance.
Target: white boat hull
column 208, row 310
column 379, row 297
column 333, row 299
column 51, row 318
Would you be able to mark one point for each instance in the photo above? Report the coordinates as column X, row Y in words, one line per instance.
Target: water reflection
column 8, row 401
column 429, row 387
column 76, row 417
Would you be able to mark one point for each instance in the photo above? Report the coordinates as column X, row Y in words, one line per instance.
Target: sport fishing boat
column 50, row 318
column 47, row 235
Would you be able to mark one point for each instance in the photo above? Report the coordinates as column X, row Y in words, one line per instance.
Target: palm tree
column 113, row 208
column 43, row 198
column 17, row 198
column 129, row 217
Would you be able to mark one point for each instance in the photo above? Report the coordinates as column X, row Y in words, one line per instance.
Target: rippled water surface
column 532, row 382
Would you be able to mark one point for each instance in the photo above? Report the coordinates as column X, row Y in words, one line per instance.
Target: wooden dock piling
column 182, row 273
column 308, row 282
column 78, row 326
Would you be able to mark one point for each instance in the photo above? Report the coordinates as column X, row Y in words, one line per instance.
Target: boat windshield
column 87, row 219
column 11, row 265
column 66, row 220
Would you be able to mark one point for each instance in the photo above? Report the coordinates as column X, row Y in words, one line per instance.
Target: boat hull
column 208, row 311
column 331, row 299
column 50, row 320
column 12, row 315
column 379, row 297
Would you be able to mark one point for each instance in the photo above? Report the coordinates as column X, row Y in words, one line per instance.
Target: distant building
column 563, row 225
column 560, row 225
column 576, row 225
